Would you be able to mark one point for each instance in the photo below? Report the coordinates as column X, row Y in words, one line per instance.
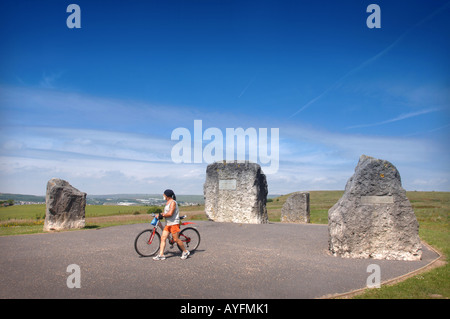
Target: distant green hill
column 20, row 197
column 101, row 199
column 112, row 198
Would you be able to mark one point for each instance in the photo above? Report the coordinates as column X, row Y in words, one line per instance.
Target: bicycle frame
column 170, row 237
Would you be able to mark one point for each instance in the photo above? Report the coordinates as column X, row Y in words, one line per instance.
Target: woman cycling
column 172, row 225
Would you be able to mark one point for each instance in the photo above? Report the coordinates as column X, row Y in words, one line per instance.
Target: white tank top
column 175, row 218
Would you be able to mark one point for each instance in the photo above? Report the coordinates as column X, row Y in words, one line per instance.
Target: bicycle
column 148, row 241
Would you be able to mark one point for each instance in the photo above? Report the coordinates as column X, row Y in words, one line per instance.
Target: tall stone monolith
column 374, row 218
column 236, row 192
column 296, row 208
column 65, row 206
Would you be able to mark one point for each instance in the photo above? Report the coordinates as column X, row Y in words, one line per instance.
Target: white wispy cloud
column 108, row 160
column 246, row 87
column 313, row 158
column 372, row 59
column 48, row 81
column 397, row 118
column 29, row 173
column 86, row 142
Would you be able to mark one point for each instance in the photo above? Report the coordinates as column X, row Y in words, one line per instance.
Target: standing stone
column 374, row 218
column 296, row 208
column 65, row 206
column 236, row 192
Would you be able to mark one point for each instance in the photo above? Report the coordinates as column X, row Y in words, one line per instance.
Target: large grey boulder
column 236, row 192
column 296, row 208
column 374, row 218
column 65, row 206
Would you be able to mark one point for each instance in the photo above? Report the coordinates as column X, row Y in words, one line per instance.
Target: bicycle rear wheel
column 190, row 238
column 145, row 245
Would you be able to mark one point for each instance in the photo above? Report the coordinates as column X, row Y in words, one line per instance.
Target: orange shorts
column 173, row 229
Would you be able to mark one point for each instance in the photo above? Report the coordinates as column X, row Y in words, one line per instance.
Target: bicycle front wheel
column 190, row 238
column 147, row 243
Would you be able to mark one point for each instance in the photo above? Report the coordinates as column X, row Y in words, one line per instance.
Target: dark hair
column 170, row 193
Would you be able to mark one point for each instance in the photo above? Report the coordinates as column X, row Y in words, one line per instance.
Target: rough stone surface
column 374, row 218
column 65, row 206
column 296, row 208
column 236, row 192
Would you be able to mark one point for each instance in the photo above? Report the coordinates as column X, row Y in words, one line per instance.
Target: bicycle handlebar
column 159, row 216
column 154, row 215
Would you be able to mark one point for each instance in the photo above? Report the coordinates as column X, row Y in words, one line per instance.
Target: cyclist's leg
column 162, row 246
column 176, row 238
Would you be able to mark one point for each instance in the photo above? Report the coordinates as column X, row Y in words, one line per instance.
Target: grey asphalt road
column 233, row 261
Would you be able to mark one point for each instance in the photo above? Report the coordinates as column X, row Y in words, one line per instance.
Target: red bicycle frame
column 170, row 236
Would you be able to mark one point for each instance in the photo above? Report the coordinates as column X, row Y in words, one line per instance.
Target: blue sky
column 97, row 105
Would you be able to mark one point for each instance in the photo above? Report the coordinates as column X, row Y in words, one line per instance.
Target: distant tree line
column 5, row 203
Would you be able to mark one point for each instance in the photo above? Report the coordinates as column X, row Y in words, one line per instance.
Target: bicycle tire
column 190, row 238
column 141, row 243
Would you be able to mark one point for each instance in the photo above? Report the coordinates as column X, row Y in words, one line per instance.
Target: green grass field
column 29, row 219
column 432, row 210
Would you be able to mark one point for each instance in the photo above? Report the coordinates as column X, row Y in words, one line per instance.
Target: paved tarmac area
column 233, row 261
